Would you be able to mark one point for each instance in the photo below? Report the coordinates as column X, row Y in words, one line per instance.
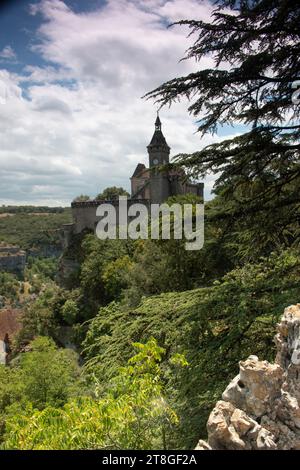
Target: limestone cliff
column 260, row 407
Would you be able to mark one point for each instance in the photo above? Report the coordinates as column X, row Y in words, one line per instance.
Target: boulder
column 260, row 409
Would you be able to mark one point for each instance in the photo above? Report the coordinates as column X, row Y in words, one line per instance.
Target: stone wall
column 260, row 407
column 84, row 213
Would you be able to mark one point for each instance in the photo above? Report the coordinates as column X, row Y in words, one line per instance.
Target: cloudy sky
column 72, row 74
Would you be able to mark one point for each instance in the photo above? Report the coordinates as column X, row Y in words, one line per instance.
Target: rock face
column 260, row 407
column 12, row 259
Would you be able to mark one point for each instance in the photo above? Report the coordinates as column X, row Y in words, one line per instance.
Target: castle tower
column 159, row 153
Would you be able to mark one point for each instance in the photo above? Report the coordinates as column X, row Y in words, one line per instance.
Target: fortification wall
column 84, row 213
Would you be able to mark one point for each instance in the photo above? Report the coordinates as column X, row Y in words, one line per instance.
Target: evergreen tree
column 255, row 45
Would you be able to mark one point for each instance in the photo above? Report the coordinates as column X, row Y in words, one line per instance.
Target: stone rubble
column 260, row 409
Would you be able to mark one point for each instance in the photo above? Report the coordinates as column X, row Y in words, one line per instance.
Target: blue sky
column 72, row 74
column 19, row 28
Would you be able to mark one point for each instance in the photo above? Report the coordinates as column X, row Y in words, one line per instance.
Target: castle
column 148, row 185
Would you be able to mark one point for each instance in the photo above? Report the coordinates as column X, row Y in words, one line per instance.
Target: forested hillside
column 32, row 227
column 132, row 349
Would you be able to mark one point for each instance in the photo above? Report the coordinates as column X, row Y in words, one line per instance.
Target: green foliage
column 254, row 45
column 10, row 387
column 43, row 268
column 43, row 376
column 53, row 308
column 103, row 269
column 69, row 311
column 208, row 309
column 48, row 373
column 36, row 230
column 115, row 276
column 81, row 198
column 112, row 193
column 165, row 265
column 38, row 318
column 132, row 414
column 215, row 327
column 150, row 272
column 31, row 209
column 9, row 286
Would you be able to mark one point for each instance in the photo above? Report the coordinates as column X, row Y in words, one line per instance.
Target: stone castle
column 154, row 184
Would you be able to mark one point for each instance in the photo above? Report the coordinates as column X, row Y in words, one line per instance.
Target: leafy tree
column 214, row 326
column 70, row 311
column 111, row 193
column 9, row 286
column 81, row 198
column 10, row 387
column 48, row 374
column 166, row 266
column 255, row 46
column 133, row 414
column 44, row 268
column 38, row 318
column 150, row 273
column 99, row 278
column 42, row 376
column 46, row 314
column 115, row 276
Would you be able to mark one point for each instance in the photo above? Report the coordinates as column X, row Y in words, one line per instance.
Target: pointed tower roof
column 157, row 122
column 158, row 138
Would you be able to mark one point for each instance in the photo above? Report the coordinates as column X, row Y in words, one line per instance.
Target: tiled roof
column 139, row 168
column 158, row 138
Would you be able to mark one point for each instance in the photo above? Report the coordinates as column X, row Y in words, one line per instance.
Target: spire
column 157, row 123
column 158, row 137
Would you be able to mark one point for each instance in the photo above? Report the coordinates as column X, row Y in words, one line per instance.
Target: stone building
column 148, row 185
column 12, row 259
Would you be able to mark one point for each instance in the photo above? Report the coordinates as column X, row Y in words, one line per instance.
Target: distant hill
column 33, row 228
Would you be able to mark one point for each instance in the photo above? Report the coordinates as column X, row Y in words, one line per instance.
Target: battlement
column 98, row 202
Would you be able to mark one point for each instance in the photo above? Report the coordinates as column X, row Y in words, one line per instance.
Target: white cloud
column 8, row 53
column 186, row 10
column 80, row 124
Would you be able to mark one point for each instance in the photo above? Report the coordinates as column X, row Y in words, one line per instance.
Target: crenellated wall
column 84, row 213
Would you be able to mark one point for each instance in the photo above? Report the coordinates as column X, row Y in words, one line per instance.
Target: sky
column 72, row 77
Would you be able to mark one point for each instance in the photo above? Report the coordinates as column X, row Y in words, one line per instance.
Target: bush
column 133, row 414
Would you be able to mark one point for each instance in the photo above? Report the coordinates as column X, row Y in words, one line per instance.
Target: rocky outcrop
column 260, row 407
column 12, row 259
